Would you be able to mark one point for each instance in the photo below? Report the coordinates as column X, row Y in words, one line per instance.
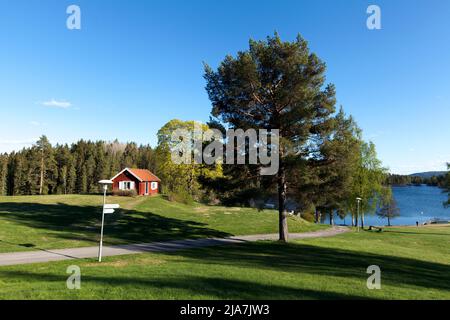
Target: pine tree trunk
column 41, row 183
column 362, row 221
column 331, row 218
column 389, row 221
column 283, row 227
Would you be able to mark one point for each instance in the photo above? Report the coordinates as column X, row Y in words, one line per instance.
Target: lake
column 421, row 204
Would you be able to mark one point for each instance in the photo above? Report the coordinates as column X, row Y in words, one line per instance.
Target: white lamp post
column 105, row 184
column 358, row 200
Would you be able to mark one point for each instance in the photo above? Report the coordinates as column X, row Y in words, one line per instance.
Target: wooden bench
column 378, row 228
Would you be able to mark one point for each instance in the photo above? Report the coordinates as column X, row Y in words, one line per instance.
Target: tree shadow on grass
column 419, row 233
column 213, row 287
column 71, row 222
column 318, row 261
column 294, row 260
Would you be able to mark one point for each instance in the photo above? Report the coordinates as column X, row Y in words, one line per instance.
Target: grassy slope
column 52, row 222
column 415, row 264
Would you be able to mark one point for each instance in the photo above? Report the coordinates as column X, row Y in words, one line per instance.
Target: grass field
column 57, row 222
column 415, row 264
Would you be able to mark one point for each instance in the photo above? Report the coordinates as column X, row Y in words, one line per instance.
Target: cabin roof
column 140, row 174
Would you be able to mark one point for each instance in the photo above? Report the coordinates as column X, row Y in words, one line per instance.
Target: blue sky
column 135, row 65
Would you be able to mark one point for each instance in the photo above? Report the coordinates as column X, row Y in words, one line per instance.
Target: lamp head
column 105, row 184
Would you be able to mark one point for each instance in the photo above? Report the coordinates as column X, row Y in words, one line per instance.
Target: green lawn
column 415, row 264
column 52, row 222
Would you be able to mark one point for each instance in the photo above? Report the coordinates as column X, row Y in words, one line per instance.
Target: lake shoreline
column 417, row 204
column 401, row 226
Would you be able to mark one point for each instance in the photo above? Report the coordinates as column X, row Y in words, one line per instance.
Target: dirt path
column 131, row 205
column 16, row 258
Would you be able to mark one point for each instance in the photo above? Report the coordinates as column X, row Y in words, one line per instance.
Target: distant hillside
column 427, row 175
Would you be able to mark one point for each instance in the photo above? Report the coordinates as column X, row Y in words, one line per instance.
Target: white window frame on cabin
column 127, row 185
column 154, row 186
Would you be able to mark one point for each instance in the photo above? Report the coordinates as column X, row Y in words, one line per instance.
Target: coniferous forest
column 68, row 169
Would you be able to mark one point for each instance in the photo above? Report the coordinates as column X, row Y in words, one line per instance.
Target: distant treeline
column 68, row 169
column 408, row 180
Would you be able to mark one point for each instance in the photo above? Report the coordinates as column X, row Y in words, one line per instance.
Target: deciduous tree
column 389, row 210
column 447, row 186
column 181, row 178
column 368, row 183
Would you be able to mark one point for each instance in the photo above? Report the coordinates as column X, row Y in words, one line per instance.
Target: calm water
column 416, row 204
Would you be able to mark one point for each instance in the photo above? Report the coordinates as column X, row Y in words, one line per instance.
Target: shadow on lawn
column 317, row 260
column 235, row 262
column 419, row 233
column 83, row 223
column 213, row 287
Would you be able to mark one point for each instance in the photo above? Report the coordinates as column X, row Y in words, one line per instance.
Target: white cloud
column 57, row 104
column 437, row 164
column 377, row 134
column 17, row 141
column 37, row 123
column 15, row 145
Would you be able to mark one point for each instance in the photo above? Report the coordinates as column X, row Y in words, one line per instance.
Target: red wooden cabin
column 143, row 181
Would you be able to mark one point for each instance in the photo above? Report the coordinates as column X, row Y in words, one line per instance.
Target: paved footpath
column 15, row 258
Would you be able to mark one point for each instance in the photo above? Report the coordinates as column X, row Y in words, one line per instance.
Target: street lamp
column 357, row 215
column 105, row 184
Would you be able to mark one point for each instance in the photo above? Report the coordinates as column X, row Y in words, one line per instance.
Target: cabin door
column 146, row 188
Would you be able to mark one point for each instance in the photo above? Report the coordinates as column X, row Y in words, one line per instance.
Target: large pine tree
column 276, row 85
column 327, row 186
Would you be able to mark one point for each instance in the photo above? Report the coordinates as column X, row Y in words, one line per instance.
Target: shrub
column 125, row 193
column 308, row 216
column 209, row 197
column 180, row 195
